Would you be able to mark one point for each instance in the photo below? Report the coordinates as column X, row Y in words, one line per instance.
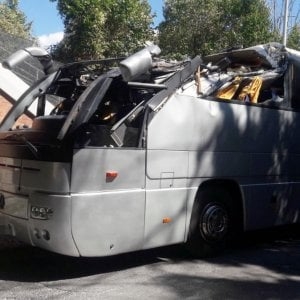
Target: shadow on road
column 260, row 265
column 277, row 250
column 28, row 264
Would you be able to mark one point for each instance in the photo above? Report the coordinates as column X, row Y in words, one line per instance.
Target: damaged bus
column 142, row 152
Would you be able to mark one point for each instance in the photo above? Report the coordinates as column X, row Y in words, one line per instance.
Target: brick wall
column 5, row 106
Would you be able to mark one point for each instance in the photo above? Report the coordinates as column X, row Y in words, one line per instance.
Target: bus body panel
column 108, row 223
column 162, row 164
column 108, row 200
column 31, row 190
column 92, row 169
column 271, row 204
column 256, row 147
column 166, row 197
column 53, row 233
column 16, row 205
column 11, row 223
column 10, row 173
column 22, row 176
column 45, row 176
column 165, row 217
column 198, row 124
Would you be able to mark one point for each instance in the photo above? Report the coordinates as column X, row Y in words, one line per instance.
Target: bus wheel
column 212, row 222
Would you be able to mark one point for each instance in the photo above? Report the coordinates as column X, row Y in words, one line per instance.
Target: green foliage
column 294, row 37
column 128, row 27
column 14, row 21
column 188, row 27
column 248, row 22
column 102, row 28
column 110, row 28
column 203, row 26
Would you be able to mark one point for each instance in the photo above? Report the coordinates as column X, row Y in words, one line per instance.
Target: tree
column 189, row 26
column 203, row 26
column 14, row 21
column 102, row 28
column 246, row 22
column 294, row 37
column 128, row 26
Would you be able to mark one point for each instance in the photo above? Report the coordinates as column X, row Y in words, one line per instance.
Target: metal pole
column 285, row 24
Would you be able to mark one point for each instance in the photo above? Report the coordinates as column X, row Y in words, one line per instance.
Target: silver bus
column 143, row 152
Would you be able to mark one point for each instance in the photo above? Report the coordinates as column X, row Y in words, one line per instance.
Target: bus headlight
column 42, row 213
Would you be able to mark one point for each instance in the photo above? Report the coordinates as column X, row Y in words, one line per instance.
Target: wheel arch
column 235, row 191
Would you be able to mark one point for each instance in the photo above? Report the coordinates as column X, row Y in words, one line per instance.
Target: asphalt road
column 264, row 265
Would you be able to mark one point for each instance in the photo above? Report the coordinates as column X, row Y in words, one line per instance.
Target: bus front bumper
column 50, row 231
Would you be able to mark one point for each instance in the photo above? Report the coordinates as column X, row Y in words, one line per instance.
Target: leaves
column 14, row 21
column 102, row 28
column 203, row 26
column 294, row 37
column 110, row 28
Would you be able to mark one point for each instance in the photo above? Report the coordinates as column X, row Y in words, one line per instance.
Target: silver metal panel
column 190, row 196
column 15, row 205
column 227, row 139
column 189, row 123
column 16, row 227
column 10, row 172
column 252, row 145
column 246, row 167
column 162, row 204
column 45, row 176
column 58, row 225
column 270, row 164
column 167, row 164
column 108, row 223
column 166, row 182
column 268, row 205
column 31, row 230
column 172, row 127
column 220, row 164
column 166, row 197
column 91, row 165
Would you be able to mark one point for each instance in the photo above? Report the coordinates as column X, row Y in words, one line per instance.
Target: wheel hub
column 214, row 222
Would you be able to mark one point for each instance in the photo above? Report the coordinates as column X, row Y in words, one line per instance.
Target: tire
column 213, row 222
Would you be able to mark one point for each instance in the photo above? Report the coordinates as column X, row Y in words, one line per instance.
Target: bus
column 142, row 152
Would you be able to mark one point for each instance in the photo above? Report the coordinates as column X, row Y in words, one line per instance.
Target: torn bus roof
column 84, row 91
column 270, row 55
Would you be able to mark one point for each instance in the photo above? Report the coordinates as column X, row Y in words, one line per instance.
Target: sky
column 47, row 24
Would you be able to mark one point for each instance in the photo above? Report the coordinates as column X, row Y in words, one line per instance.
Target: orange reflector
column 167, row 220
column 110, row 175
